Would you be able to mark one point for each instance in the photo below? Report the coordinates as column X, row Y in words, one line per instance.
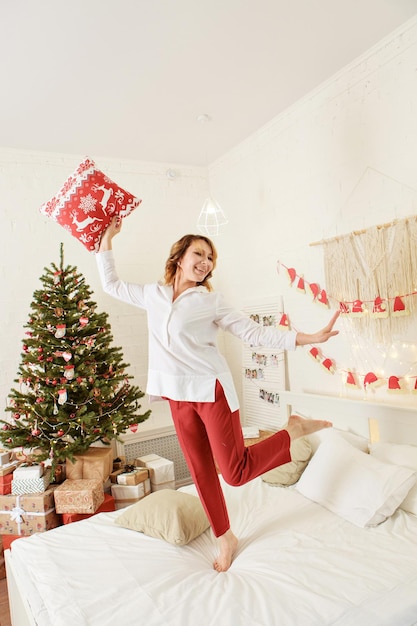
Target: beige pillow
column 167, row 514
column 289, row 473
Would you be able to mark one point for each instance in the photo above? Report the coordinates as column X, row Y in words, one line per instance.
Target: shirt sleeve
column 239, row 325
column 111, row 283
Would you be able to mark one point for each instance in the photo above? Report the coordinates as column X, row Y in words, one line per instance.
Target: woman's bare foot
column 299, row 427
column 228, row 544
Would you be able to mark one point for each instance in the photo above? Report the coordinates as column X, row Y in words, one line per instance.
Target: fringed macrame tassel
column 370, row 267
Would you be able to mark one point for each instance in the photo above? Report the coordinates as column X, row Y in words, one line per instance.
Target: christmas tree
column 73, row 386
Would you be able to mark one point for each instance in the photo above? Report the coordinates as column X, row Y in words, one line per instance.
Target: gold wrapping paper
column 132, row 478
column 93, row 464
column 79, row 496
column 160, row 470
column 8, row 468
column 115, row 474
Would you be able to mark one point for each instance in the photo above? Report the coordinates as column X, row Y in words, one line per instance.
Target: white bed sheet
column 297, row 565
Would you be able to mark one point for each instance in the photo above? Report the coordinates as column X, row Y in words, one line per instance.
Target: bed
column 298, row 562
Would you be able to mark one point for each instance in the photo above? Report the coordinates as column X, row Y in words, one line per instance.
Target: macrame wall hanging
column 373, row 273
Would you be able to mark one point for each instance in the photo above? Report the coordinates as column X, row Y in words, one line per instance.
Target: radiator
column 166, row 446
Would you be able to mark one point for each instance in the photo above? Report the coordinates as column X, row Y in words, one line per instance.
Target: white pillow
column 354, row 485
column 399, row 454
column 357, row 441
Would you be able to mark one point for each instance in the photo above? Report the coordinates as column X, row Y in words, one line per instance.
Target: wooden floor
column 4, row 604
column 4, row 597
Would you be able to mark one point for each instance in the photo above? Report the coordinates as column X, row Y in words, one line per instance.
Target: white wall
column 342, row 159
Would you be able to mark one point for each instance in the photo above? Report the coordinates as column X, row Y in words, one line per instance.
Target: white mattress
column 297, row 565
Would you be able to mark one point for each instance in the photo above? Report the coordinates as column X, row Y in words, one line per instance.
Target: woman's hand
column 112, row 229
column 302, row 339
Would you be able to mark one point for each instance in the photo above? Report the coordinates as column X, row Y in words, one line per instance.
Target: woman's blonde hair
column 178, row 250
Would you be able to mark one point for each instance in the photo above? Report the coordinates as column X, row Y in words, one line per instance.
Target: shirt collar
column 168, row 290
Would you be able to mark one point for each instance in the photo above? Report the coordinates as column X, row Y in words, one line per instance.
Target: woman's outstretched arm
column 303, row 339
column 112, row 229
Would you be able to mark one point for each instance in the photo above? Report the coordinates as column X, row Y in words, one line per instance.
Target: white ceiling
column 128, row 78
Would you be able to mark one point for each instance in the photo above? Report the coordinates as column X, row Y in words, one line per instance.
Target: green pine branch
column 73, row 388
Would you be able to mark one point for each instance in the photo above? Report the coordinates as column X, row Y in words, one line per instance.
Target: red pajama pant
column 208, row 431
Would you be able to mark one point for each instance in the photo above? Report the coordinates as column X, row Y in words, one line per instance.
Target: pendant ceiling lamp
column 211, row 218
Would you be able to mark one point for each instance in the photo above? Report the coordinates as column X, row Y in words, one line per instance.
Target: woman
column 186, row 368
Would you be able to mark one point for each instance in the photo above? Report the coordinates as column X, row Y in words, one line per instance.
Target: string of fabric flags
column 380, row 308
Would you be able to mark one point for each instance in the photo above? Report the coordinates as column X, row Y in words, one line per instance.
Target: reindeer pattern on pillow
column 86, row 203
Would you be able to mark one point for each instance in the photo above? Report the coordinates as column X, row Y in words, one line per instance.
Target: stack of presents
column 30, row 502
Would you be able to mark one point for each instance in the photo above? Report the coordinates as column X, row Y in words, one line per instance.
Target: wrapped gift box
column 126, row 469
column 21, row 486
column 28, row 514
column 8, row 468
column 94, row 464
column 79, row 496
column 133, row 478
column 115, row 473
column 124, row 495
column 161, row 471
column 8, row 540
column 25, row 471
column 4, row 457
column 107, row 506
column 6, row 484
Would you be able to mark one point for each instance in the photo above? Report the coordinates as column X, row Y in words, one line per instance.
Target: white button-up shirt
column 184, row 360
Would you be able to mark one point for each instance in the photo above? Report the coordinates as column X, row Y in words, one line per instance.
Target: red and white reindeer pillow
column 86, row 203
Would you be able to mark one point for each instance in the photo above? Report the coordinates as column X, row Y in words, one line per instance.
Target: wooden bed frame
column 375, row 421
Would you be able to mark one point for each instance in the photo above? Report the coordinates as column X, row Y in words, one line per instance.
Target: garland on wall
column 372, row 279
column 353, row 378
column 379, row 307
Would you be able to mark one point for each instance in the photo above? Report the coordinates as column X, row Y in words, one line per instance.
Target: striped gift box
column 31, row 485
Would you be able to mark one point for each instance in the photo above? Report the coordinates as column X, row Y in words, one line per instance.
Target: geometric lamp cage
column 211, row 218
